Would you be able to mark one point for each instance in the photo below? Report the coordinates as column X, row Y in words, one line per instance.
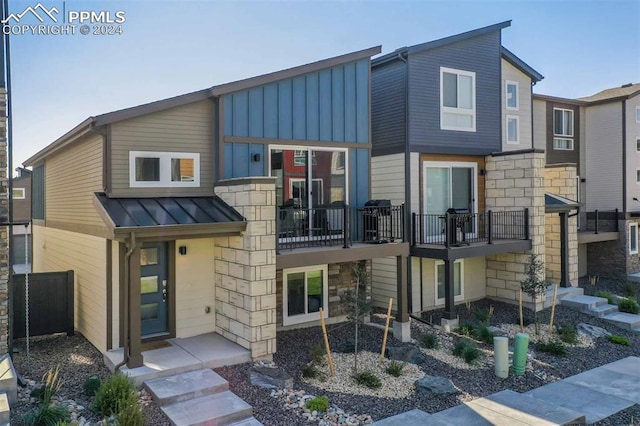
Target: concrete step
column 624, row 320
column 252, row 421
column 564, row 292
column 4, row 408
column 180, row 387
column 636, row 330
column 602, row 310
column 223, row 408
column 527, row 404
column 412, row 417
column 476, row 415
column 583, row 303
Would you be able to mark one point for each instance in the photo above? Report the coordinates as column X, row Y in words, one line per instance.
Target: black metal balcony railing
column 598, row 221
column 455, row 229
column 337, row 226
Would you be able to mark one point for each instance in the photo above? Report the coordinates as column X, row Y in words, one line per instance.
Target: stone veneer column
column 245, row 268
column 560, row 180
column 513, row 182
column 4, row 230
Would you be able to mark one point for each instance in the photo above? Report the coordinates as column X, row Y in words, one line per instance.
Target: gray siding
column 388, row 125
column 37, row 193
column 539, row 124
column 633, row 155
column 480, row 55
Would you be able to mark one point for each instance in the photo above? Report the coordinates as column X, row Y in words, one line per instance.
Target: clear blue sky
column 169, row 48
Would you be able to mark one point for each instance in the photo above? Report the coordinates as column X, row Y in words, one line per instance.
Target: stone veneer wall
column 4, row 230
column 611, row 259
column 245, row 268
column 340, row 279
column 513, row 182
column 560, row 180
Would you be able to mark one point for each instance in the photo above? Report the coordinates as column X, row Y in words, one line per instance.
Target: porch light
column 182, row 250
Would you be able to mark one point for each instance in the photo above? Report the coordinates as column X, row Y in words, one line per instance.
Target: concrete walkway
column 584, row 398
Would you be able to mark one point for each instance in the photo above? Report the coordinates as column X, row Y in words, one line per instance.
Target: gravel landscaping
column 78, row 360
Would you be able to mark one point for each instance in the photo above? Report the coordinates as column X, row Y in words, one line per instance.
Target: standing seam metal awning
column 555, row 204
column 180, row 217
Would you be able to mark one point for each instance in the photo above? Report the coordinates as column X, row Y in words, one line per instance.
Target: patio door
column 153, row 289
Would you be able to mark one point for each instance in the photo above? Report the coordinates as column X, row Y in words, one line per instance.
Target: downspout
column 125, row 320
column 533, row 144
column 407, row 180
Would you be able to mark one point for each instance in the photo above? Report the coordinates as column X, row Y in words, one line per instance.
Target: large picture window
column 458, row 281
column 457, row 100
column 305, row 291
column 163, row 169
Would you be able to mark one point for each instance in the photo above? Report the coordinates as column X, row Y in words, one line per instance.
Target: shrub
column 47, row 415
column 630, row 290
column 460, row 346
column 429, row 341
column 310, row 371
column 483, row 334
column 319, row 403
column 628, row 305
column 395, row 368
column 568, row 334
column 113, row 392
column 470, row 354
column 466, row 328
column 368, row 379
column 129, row 411
column 606, row 295
column 553, row 347
column 317, row 354
column 619, row 340
column 91, row 385
column 483, row 315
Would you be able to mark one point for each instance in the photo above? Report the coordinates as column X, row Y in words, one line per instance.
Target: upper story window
column 511, row 95
column 638, row 144
column 19, row 194
column 163, row 169
column 638, row 114
column 563, row 129
column 457, row 100
column 513, row 129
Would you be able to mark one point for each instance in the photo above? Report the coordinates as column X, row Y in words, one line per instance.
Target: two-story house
column 236, row 210
column 600, row 134
column 452, row 139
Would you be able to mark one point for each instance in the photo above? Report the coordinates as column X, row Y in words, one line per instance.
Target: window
column 637, row 175
column 300, row 157
column 19, row 194
column 638, row 114
column 457, row 100
column 513, row 129
column 563, row 122
column 305, row 291
column 633, row 238
column 458, row 281
column 637, row 144
column 163, row 169
column 563, row 144
column 511, row 95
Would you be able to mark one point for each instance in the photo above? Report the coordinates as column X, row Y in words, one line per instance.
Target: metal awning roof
column 171, row 217
column 555, row 204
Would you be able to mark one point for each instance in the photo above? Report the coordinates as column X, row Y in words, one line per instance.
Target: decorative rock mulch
column 392, row 387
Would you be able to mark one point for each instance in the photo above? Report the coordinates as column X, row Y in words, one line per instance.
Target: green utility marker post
column 520, row 353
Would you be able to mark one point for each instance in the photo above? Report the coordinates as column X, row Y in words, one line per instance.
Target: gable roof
column 520, row 64
column 623, row 92
column 212, row 92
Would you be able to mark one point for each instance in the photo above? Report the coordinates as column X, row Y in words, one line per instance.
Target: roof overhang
column 556, row 204
column 520, row 64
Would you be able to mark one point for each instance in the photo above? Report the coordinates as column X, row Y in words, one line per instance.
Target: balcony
column 459, row 235
column 320, row 235
column 598, row 226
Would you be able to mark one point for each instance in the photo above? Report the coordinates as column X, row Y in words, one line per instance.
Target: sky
column 167, row 48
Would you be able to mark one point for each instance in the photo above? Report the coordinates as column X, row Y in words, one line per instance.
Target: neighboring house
column 21, row 258
column 600, row 134
column 237, row 209
column 452, row 138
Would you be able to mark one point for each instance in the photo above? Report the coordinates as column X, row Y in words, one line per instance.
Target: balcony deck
column 302, row 256
column 474, row 249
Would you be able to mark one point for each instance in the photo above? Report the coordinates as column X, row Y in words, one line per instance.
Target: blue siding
column 479, row 54
column 330, row 105
column 238, row 160
column 358, row 176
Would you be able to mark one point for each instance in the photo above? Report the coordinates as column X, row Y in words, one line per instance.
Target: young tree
column 533, row 283
column 357, row 303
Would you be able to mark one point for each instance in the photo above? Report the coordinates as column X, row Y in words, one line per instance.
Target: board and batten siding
column 633, row 155
column 60, row 250
column 187, row 128
column 603, row 144
column 195, row 288
column 482, row 55
column 511, row 73
column 72, row 177
column 539, row 124
column 388, row 102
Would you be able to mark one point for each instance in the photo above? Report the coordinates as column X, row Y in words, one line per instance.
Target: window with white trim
column 19, row 193
column 457, row 100
column 633, row 238
column 458, row 281
column 511, row 95
column 638, row 114
column 305, row 291
column 563, row 144
column 513, row 129
column 563, row 129
column 163, row 169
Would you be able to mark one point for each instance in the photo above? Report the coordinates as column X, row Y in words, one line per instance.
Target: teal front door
column 153, row 289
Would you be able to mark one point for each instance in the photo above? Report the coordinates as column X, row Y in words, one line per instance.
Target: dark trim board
column 520, row 151
column 296, row 142
column 109, row 286
column 478, row 250
column 452, row 150
column 323, row 255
